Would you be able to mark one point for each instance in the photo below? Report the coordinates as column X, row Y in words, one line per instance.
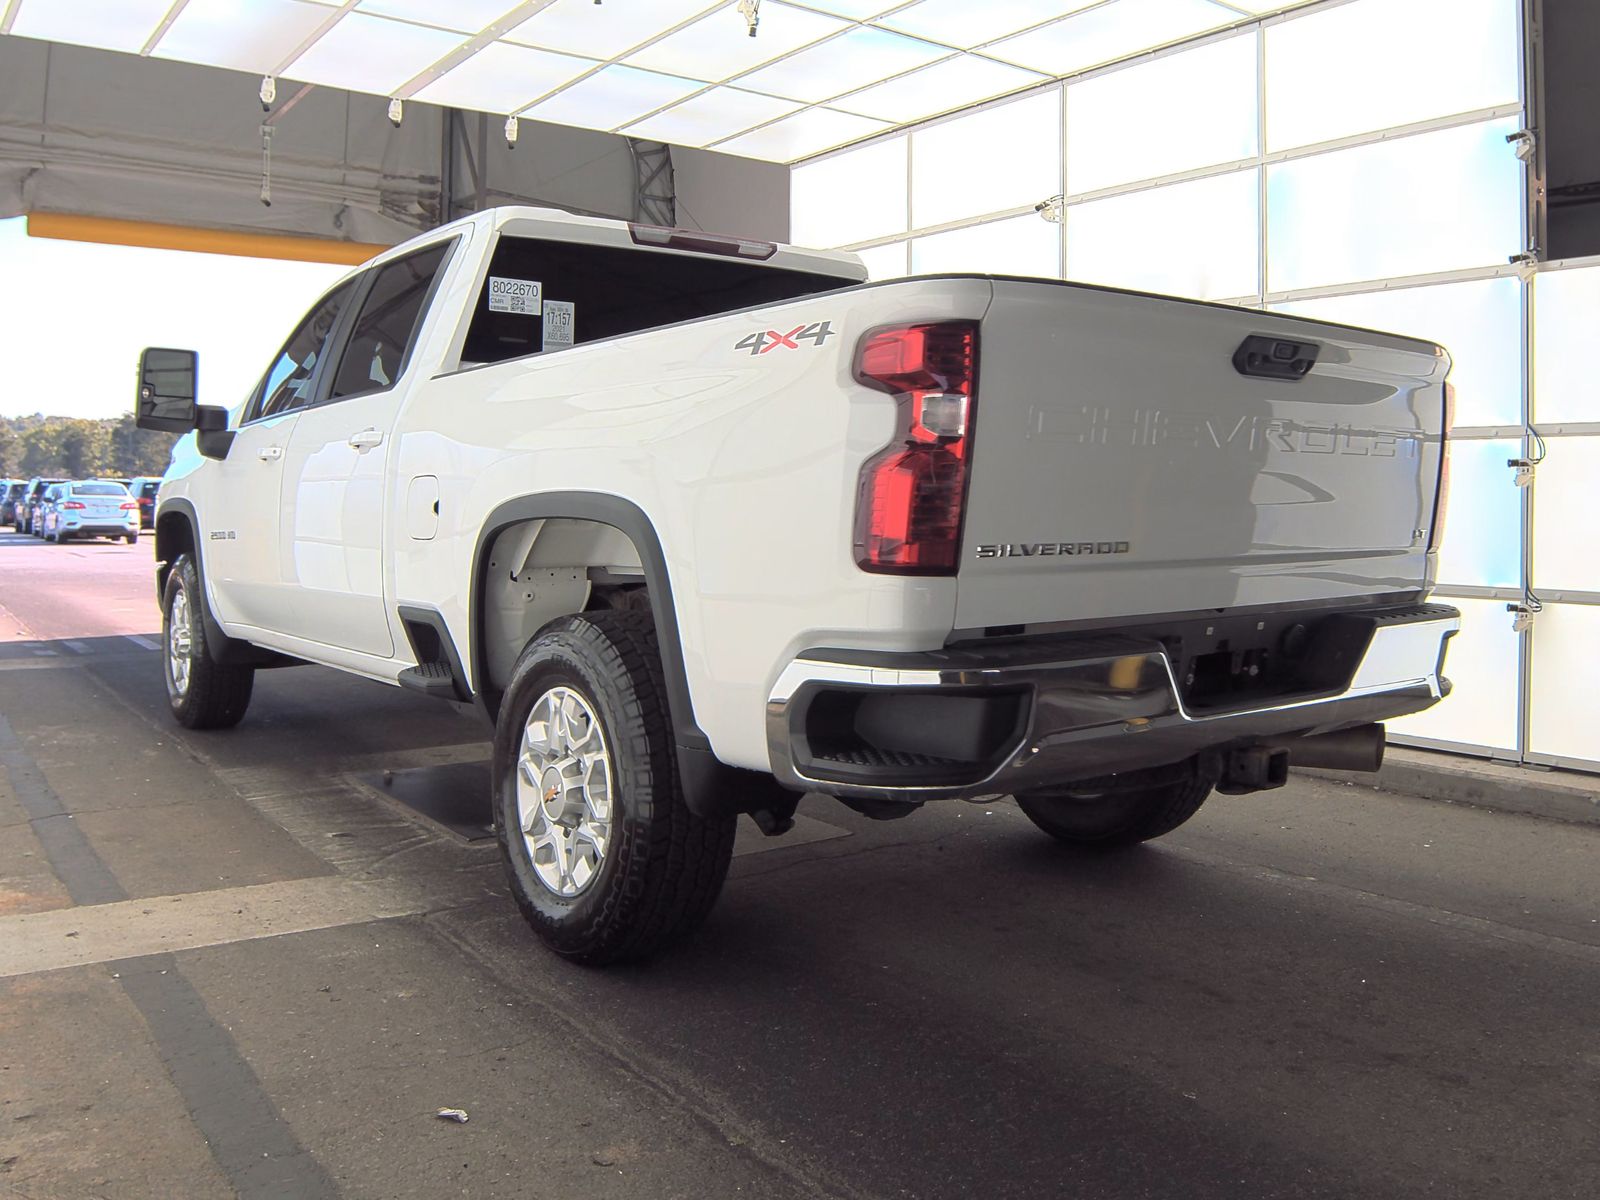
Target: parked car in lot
column 89, row 508
column 143, row 489
column 46, row 502
column 28, row 505
column 703, row 524
column 8, row 500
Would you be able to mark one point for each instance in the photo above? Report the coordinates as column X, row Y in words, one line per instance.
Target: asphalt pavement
column 233, row 964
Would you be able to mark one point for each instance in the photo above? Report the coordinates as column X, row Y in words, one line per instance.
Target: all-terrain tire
column 663, row 866
column 210, row 695
column 1120, row 810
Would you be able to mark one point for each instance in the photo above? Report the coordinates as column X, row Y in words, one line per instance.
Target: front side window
column 388, row 323
column 293, row 372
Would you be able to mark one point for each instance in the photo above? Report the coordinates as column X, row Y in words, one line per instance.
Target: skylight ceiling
column 817, row 74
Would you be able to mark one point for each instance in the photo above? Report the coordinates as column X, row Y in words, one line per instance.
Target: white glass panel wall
column 852, row 197
column 1305, row 163
column 1171, row 115
column 1359, row 68
column 997, row 159
column 1416, row 205
column 1199, row 238
column 1483, row 663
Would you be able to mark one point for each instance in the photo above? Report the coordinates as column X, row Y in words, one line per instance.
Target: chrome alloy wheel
column 564, row 791
column 180, row 643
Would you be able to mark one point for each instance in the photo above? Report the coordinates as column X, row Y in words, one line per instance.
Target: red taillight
column 913, row 493
column 72, row 504
column 128, row 505
column 1436, row 534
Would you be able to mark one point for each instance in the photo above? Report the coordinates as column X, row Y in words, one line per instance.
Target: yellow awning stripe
column 114, row 232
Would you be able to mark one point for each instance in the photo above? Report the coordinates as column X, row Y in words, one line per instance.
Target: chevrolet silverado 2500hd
column 703, row 523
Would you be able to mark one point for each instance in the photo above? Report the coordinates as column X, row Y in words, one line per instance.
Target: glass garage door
column 1303, row 164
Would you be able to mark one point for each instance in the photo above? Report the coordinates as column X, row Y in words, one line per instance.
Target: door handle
column 366, row 439
column 270, row 453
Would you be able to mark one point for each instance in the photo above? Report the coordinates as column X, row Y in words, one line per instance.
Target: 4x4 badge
column 770, row 339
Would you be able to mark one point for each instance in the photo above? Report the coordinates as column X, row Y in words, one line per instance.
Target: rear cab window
column 542, row 295
column 99, row 489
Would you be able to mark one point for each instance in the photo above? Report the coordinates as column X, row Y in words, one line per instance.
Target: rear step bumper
column 1040, row 713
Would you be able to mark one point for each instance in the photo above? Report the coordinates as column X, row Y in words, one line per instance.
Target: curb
column 1531, row 791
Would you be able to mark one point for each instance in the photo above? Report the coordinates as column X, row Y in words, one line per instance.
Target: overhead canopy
column 114, row 135
column 815, row 75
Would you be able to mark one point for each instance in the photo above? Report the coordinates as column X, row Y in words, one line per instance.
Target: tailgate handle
column 1269, row 357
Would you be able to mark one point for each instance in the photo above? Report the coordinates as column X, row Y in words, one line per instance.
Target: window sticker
column 558, row 326
column 515, row 295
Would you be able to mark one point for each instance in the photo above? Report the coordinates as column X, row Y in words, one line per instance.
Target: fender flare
column 710, row 786
column 627, row 518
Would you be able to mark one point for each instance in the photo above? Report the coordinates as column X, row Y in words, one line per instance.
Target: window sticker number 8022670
column 771, row 339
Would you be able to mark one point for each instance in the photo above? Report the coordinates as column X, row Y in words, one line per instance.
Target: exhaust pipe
column 1357, row 749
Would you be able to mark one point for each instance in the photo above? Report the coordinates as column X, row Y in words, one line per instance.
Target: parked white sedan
column 91, row 508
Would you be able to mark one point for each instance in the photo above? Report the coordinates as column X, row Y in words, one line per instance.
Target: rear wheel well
column 537, row 570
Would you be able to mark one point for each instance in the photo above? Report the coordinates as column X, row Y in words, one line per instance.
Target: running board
column 434, row 679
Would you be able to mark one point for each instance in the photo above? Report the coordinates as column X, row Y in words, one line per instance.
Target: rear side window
column 383, row 334
column 543, row 295
column 99, row 489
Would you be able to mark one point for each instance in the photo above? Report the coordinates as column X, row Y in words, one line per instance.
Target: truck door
column 335, row 470
column 239, row 546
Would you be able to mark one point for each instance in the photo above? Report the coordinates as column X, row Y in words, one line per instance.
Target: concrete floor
column 230, row 967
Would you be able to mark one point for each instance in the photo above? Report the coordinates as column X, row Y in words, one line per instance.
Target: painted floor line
column 98, row 933
column 76, row 647
column 145, row 642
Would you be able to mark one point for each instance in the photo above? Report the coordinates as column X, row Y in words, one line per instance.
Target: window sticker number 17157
column 771, row 339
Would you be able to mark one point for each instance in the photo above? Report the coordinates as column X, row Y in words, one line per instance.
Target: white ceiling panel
column 1109, row 32
column 856, row 10
column 583, row 27
column 243, row 35
column 841, row 64
column 372, row 54
column 105, row 24
column 957, row 23
column 943, row 87
column 611, row 97
column 805, row 133
column 818, row 74
column 502, row 79
column 716, row 47
column 717, row 113
column 464, row 16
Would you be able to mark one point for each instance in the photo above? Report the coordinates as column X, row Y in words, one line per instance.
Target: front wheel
column 1120, row 810
column 202, row 693
column 605, row 859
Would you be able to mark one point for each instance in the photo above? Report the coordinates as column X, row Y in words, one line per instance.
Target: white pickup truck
column 703, row 523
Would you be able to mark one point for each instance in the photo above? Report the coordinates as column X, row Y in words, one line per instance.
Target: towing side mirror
column 167, row 390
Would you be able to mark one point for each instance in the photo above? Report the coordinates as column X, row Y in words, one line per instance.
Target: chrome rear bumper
column 1044, row 712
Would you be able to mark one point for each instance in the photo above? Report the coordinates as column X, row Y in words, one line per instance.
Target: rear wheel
column 131, row 538
column 1120, row 810
column 605, row 859
column 202, row 693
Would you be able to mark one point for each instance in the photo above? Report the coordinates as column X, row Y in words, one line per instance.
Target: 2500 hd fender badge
column 1045, row 549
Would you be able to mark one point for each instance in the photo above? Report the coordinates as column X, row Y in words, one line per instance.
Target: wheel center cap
column 552, row 794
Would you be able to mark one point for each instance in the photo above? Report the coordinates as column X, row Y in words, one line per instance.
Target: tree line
column 81, row 448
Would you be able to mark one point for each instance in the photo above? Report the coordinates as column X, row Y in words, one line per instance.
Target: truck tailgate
column 1123, row 464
